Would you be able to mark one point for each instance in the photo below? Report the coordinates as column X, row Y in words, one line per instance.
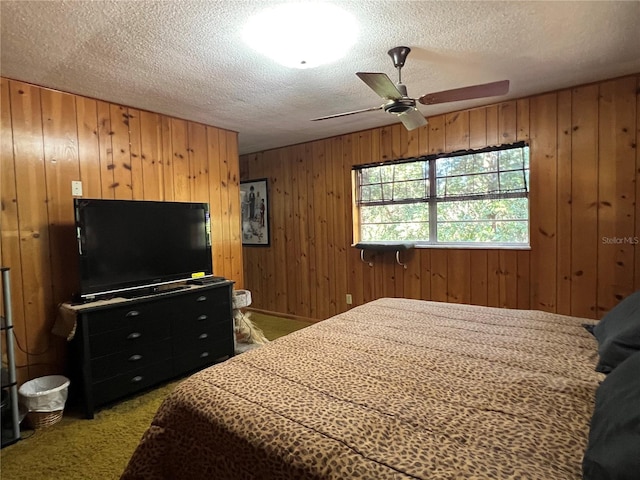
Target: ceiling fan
column 398, row 103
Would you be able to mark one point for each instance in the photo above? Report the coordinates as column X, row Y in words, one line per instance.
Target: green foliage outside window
column 470, row 198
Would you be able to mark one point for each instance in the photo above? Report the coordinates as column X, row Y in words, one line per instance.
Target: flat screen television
column 129, row 246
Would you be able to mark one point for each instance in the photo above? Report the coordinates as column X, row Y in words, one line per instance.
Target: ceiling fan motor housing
column 401, row 105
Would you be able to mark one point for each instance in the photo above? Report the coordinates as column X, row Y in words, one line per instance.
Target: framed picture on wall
column 254, row 204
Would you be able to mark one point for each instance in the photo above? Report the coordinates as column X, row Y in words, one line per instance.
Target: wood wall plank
column 523, row 261
column 544, row 207
column 439, row 274
column 320, row 219
column 151, row 155
column 479, row 288
column 233, row 207
column 303, row 251
column 215, row 202
column 289, row 225
column 437, row 137
column 223, row 217
column 493, row 135
column 198, row 162
column 456, row 131
column 458, row 276
column 508, row 278
column 522, row 119
column 277, row 261
column 135, row 141
column 494, row 276
column 564, row 205
column 121, row 153
column 180, row 160
column 31, row 196
column 88, row 147
column 507, row 127
column 167, row 159
column 478, row 128
column 584, row 215
column 10, row 248
column 296, row 255
column 107, row 167
column 616, row 191
column 60, row 137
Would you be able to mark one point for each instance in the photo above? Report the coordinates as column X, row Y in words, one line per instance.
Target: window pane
column 484, row 232
column 500, row 209
column 500, row 220
column 395, row 222
column 411, row 212
column 412, row 189
column 370, row 175
column 389, row 232
column 512, row 181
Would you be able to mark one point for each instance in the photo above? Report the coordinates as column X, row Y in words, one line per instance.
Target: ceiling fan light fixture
column 295, row 34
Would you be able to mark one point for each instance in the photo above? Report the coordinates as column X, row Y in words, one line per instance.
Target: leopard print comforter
column 392, row 389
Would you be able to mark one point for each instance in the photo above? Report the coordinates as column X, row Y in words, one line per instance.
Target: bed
column 392, row 389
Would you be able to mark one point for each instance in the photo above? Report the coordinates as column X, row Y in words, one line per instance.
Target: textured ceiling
column 186, row 58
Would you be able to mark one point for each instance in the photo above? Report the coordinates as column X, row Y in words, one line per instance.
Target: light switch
column 76, row 188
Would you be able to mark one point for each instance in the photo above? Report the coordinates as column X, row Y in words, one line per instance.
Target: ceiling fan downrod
column 399, row 55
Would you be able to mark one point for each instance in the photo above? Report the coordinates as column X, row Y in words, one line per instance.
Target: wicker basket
column 44, row 419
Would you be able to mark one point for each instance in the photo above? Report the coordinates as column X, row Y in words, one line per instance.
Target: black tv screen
column 126, row 245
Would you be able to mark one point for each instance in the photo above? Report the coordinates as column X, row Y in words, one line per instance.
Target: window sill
column 467, row 246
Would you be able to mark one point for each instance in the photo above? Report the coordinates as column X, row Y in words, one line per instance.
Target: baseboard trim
column 283, row 315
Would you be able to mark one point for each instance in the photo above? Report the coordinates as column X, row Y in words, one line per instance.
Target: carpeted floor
column 80, row 449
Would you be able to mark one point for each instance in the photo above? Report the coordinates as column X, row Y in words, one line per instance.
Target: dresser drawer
column 195, row 338
column 204, row 302
column 202, row 354
column 134, row 335
column 130, row 382
column 106, row 320
column 192, row 327
column 132, row 358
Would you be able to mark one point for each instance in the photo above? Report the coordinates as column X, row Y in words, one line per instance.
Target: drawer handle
column 202, row 336
column 136, row 379
column 134, row 335
column 135, row 358
column 204, row 354
column 202, row 317
column 132, row 313
column 201, row 298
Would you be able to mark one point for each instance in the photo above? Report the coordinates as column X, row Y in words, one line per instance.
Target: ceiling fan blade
column 381, row 84
column 412, row 119
column 466, row 93
column 347, row 113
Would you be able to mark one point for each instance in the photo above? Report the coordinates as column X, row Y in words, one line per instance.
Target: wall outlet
column 76, row 188
column 349, row 299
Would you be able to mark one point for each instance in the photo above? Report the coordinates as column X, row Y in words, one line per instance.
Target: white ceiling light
column 302, row 35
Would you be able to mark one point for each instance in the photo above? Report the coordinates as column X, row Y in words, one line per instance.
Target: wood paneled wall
column 50, row 138
column 584, row 221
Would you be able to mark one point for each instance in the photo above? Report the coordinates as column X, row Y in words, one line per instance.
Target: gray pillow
column 613, row 452
column 618, row 333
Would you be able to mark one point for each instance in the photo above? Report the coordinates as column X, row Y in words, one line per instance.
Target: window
column 465, row 198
